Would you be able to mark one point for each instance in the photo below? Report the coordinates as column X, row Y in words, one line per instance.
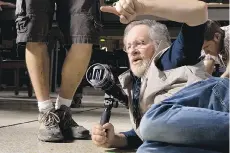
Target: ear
column 217, row 37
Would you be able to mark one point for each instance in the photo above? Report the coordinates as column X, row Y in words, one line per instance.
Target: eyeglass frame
column 141, row 43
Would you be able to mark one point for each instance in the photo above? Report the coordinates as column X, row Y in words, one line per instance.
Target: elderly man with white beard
column 167, row 83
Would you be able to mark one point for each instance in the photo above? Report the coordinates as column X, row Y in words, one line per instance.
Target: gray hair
column 157, row 32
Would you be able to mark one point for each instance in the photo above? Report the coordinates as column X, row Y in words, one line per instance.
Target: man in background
column 216, row 48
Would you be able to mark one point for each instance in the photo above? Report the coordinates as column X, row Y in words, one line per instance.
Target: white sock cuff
column 44, row 106
column 62, row 101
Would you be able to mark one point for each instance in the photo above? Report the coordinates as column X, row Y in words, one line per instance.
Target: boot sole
column 45, row 139
column 69, row 135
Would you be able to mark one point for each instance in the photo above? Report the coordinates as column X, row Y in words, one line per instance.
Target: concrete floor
column 19, row 125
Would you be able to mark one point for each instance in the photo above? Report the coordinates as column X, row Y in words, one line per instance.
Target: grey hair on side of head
column 157, row 32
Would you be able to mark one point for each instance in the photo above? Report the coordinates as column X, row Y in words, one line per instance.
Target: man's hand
column 5, row 4
column 103, row 136
column 127, row 10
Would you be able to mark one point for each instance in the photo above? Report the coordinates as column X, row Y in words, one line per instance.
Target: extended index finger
column 109, row 9
column 11, row 5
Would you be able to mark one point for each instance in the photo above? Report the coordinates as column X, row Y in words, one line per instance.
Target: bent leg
column 173, row 121
column 76, row 21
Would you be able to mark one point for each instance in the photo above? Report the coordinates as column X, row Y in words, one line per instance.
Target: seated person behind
column 216, row 48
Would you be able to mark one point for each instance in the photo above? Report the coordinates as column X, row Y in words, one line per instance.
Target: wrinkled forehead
column 138, row 32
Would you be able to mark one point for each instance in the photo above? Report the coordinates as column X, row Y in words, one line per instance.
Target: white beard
column 140, row 68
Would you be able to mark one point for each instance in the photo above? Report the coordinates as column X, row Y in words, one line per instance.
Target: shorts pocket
column 20, row 8
column 21, row 23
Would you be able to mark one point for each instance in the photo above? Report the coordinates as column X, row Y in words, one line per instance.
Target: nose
column 133, row 51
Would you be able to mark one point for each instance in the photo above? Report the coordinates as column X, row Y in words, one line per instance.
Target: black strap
column 135, row 103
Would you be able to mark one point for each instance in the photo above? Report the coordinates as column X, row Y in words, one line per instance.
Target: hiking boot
column 49, row 127
column 69, row 128
column 76, row 103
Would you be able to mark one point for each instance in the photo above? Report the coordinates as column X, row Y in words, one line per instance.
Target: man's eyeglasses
column 135, row 45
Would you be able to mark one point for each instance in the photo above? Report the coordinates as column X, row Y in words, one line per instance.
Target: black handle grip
column 105, row 117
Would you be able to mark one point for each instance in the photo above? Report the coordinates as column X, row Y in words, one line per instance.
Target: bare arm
column 209, row 65
column 6, row 4
column 191, row 12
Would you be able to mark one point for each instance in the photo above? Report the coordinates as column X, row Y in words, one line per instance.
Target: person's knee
column 36, row 46
column 154, row 122
column 144, row 127
column 80, row 54
column 151, row 118
column 82, row 49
